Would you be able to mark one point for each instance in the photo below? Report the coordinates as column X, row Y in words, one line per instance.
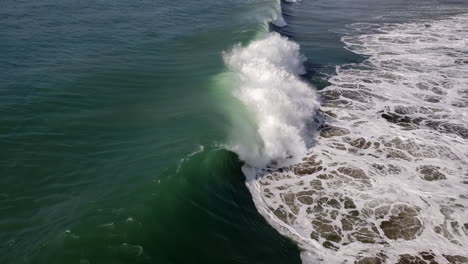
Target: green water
column 100, row 101
column 199, row 212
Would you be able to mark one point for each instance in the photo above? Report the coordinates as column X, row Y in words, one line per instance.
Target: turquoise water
column 114, row 124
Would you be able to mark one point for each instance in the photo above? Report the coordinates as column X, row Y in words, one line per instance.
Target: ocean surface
column 237, row 131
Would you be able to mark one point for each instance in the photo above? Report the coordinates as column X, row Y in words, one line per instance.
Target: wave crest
column 267, row 82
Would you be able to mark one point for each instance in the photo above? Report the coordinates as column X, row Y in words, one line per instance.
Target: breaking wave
column 267, row 82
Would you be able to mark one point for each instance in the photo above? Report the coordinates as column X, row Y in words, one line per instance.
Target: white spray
column 268, row 83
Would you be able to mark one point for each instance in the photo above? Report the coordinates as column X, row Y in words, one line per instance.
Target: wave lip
column 267, row 82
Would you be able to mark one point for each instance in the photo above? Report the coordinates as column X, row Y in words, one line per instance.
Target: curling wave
column 267, row 82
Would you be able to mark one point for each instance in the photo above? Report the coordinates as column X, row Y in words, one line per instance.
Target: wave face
column 279, row 103
column 387, row 180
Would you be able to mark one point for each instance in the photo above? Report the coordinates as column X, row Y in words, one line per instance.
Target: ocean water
column 247, row 131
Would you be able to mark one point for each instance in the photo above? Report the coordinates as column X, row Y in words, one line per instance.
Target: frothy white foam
column 388, row 178
column 267, row 82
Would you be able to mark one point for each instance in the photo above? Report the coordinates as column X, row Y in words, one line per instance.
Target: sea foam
column 387, row 179
column 267, row 82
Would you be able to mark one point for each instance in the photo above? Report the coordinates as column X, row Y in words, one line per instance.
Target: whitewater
column 373, row 168
column 269, row 85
